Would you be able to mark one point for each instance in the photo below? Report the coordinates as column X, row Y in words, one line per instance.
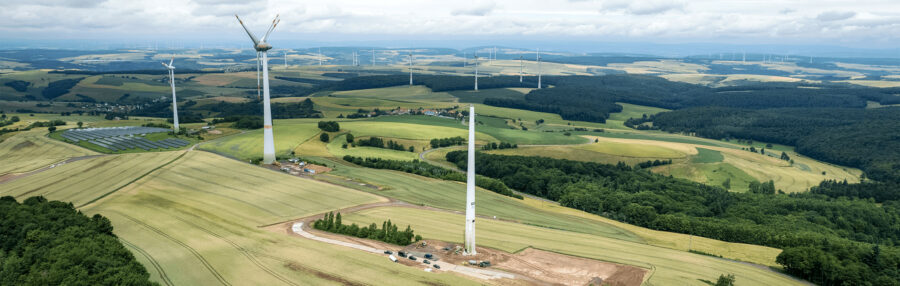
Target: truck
column 394, row 259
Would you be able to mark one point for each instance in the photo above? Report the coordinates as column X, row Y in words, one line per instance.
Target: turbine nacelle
column 169, row 66
column 262, row 47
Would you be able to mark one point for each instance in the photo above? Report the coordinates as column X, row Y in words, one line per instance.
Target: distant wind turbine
column 320, row 57
column 171, row 69
column 521, row 68
column 261, row 48
column 539, row 67
column 476, row 71
column 373, row 57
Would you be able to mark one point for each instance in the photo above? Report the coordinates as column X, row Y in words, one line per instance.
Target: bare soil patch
column 543, row 266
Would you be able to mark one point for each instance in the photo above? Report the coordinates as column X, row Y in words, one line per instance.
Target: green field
column 667, row 267
column 707, row 156
column 450, row 195
column 83, row 181
column 288, row 135
column 30, row 150
column 416, row 93
column 632, row 150
column 488, row 133
column 574, row 153
column 334, row 147
column 194, row 227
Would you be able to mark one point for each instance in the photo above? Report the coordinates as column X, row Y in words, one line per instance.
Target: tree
column 329, row 126
column 324, row 137
column 349, row 138
column 727, row 184
column 80, row 124
column 725, row 280
column 51, row 128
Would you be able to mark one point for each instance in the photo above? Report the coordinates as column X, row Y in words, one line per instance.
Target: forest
column 844, row 241
column 51, row 243
column 861, row 138
column 57, row 88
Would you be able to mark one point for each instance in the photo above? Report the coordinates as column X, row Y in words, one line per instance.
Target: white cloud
column 479, row 10
column 663, row 20
column 835, row 16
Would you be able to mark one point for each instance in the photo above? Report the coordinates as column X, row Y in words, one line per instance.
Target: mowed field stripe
column 241, row 249
column 193, row 251
column 162, row 273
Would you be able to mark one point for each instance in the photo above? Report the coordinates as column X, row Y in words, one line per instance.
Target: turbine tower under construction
column 261, row 49
column 470, row 187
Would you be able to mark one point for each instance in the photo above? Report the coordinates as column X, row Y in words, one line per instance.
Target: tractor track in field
column 193, row 251
column 242, row 250
column 162, row 273
column 12, row 177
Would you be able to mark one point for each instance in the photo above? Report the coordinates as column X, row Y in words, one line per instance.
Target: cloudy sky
column 857, row 23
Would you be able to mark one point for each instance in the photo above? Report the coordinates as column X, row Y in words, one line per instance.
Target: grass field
column 190, row 226
column 83, row 181
column 707, row 156
column 288, row 135
column 416, row 93
column 668, row 267
column 632, row 150
column 487, row 133
column 447, row 195
column 578, row 153
column 334, row 147
column 414, row 131
column 30, row 150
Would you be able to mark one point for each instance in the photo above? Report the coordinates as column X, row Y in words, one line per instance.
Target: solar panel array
column 123, row 138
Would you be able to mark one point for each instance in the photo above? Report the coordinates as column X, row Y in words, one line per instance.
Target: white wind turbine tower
column 261, row 48
column 476, row 71
column 410, row 68
column 465, row 59
column 373, row 57
column 470, row 188
column 320, row 57
column 521, row 68
column 539, row 67
column 171, row 69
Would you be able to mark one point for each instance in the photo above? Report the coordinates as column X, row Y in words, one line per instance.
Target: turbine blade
column 165, row 65
column 172, row 61
column 252, row 37
column 274, row 23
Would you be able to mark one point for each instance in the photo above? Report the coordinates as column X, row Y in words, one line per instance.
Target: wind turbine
column 476, row 71
column 470, row 188
column 373, row 57
column 261, row 48
column 521, row 68
column 465, row 59
column 410, row 68
column 320, row 57
column 539, row 67
column 171, row 69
